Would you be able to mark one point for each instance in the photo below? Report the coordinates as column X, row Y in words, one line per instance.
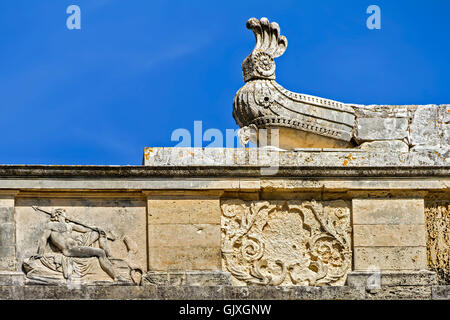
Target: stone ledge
column 36, row 292
column 344, row 158
column 189, row 278
column 106, row 173
column 440, row 292
column 359, row 279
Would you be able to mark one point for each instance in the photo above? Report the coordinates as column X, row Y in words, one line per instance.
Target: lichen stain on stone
column 147, row 153
column 349, row 159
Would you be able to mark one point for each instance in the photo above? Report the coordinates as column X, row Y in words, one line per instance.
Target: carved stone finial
column 303, row 121
column 269, row 45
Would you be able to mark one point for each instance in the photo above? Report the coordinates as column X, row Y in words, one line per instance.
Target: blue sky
column 139, row 69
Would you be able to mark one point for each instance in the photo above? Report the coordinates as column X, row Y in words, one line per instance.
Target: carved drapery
column 437, row 216
column 286, row 242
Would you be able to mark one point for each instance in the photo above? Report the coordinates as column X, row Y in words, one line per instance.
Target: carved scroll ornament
column 286, row 242
column 263, row 103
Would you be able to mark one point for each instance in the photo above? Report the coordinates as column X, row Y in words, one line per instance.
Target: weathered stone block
column 438, row 229
column 369, row 129
column 184, row 258
column 446, row 137
column 7, row 234
column 425, row 128
column 7, row 251
column 6, row 214
column 440, row 292
column 7, row 200
column 385, row 146
column 446, row 113
column 7, row 258
column 202, row 211
column 381, row 111
column 168, row 211
column 390, row 258
column 388, row 211
column 284, row 162
column 196, row 211
column 184, row 235
column 389, row 235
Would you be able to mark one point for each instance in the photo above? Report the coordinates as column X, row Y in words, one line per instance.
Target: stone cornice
column 114, row 172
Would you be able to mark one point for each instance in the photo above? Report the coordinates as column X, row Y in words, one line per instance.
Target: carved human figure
column 58, row 232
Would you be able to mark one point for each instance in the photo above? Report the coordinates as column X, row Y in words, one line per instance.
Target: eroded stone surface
column 385, row 146
column 426, row 126
column 438, row 240
column 344, row 158
column 184, row 233
column 7, row 232
column 387, row 211
column 390, row 258
column 371, row 129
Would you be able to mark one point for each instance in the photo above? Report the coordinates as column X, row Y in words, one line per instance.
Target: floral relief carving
column 286, row 242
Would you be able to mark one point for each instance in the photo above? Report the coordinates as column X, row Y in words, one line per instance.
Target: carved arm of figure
column 43, row 242
column 79, row 227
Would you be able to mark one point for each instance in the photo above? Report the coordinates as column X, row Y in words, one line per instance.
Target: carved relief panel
column 304, row 243
column 437, row 215
column 81, row 241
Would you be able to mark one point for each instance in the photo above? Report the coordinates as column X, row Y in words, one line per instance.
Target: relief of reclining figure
column 72, row 245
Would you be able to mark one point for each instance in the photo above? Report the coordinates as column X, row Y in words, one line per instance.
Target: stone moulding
column 286, row 242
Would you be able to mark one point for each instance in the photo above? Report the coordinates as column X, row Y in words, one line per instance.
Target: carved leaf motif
column 286, row 242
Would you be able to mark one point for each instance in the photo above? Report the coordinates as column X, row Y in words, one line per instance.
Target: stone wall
column 369, row 224
column 389, row 233
column 7, row 232
column 183, row 231
column 403, row 128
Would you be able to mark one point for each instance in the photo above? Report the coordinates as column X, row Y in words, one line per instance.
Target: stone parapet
column 300, row 158
column 182, row 227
